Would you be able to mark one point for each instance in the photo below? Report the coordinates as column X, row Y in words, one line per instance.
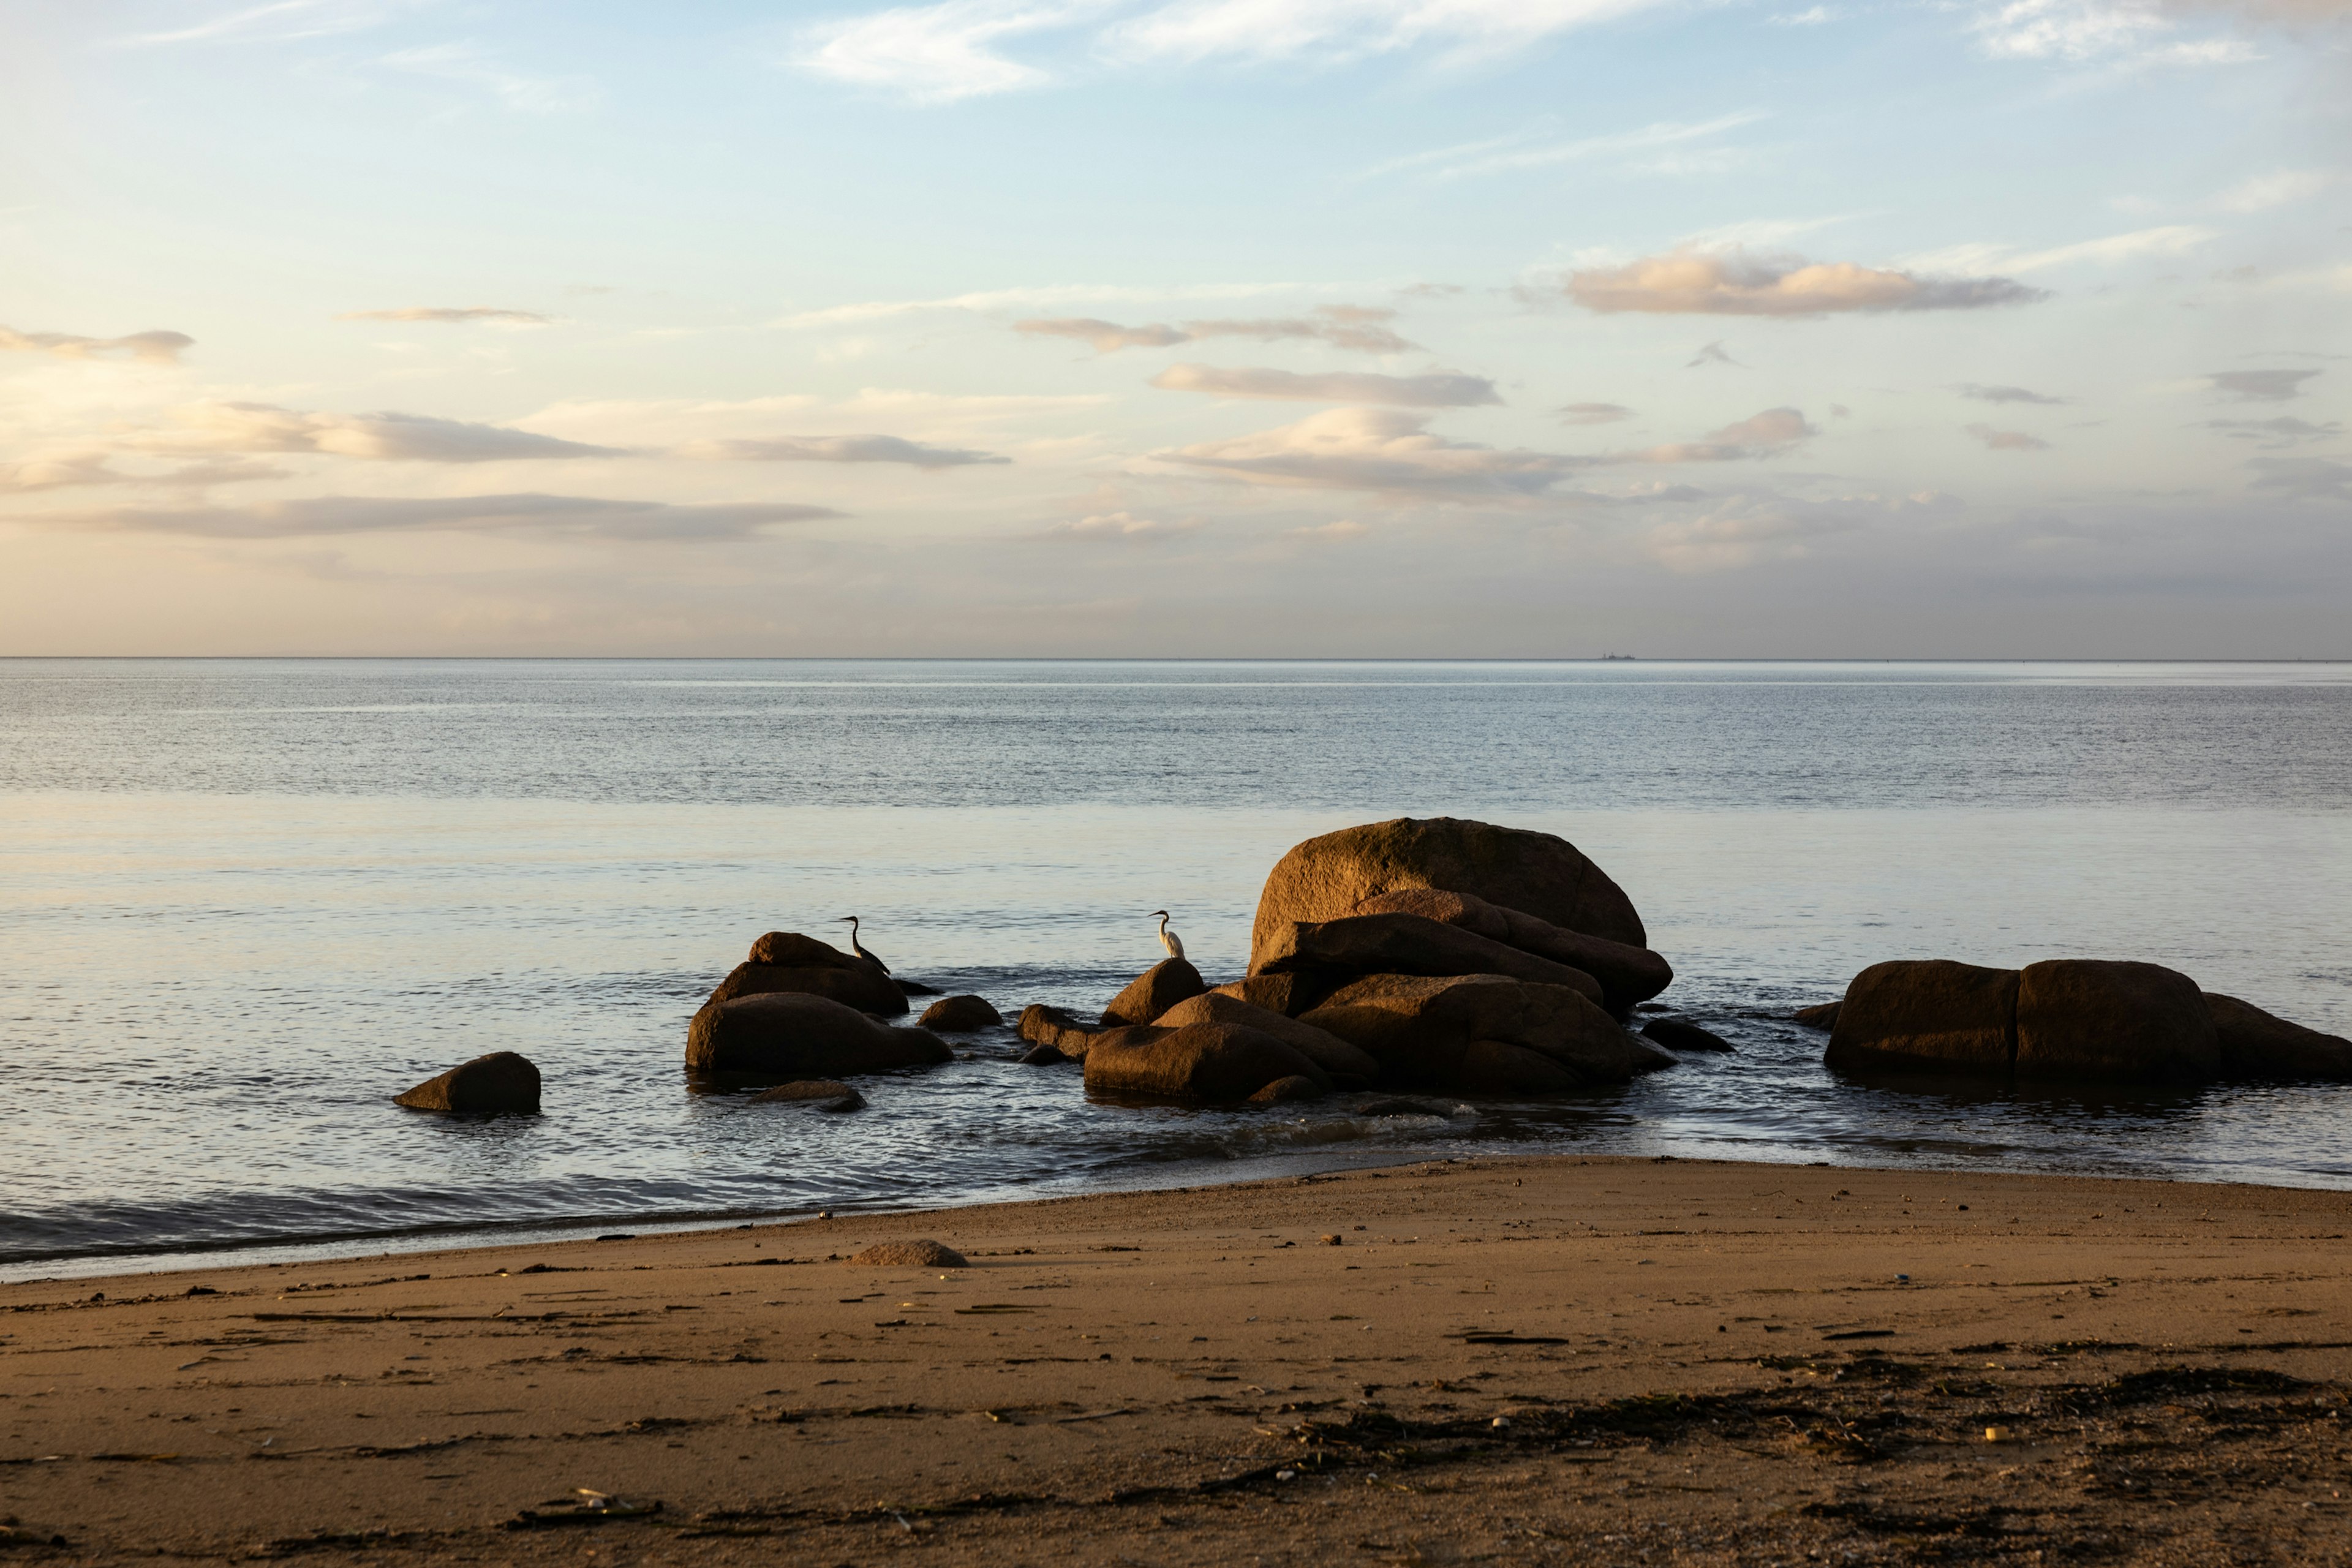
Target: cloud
column 2076, row 30
column 518, row 90
column 840, row 449
column 2260, row 385
column 2008, row 440
column 1983, row 394
column 320, row 516
column 1593, row 413
column 946, row 52
column 1690, row 282
column 2304, row 479
column 391, row 438
column 1038, row 294
column 2283, row 431
column 1712, row 354
column 2169, row 239
column 1760, row 436
column 1115, row 528
column 1740, row 531
column 1381, row 450
column 1342, row 531
column 62, row 470
column 1519, row 151
column 449, row 314
column 154, row 348
column 1810, row 18
column 1361, row 328
column 277, row 19
column 1437, row 390
column 2264, row 192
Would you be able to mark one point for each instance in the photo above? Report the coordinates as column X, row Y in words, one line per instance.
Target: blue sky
column 1163, row 327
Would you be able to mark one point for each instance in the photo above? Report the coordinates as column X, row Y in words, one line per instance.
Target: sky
column 1177, row 328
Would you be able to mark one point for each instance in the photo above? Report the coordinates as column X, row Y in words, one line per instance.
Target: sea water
column 244, row 903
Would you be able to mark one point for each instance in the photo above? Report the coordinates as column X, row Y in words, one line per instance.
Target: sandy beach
column 1542, row 1361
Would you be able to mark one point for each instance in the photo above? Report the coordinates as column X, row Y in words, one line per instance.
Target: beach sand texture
column 1516, row 1361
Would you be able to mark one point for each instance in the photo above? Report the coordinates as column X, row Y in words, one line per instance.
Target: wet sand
column 1537, row 1360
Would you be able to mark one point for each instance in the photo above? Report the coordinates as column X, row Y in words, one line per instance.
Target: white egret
column 859, row 950
column 1169, row 939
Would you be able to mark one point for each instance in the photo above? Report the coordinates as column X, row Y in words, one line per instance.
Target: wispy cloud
column 63, row 470
column 1115, row 528
column 522, row 91
column 2008, row 440
column 328, row 515
column 1361, row 328
column 1342, row 530
column 2171, row 239
column 2264, row 192
column 1983, row 394
column 1438, row 390
column 1691, row 282
column 2304, row 479
column 840, row 449
column 391, row 438
column 2136, row 32
column 1041, row 295
column 1594, row 412
column 1760, row 436
column 276, row 19
column 449, row 314
column 1527, row 149
column 1381, row 450
column 155, row 348
column 2283, row 431
column 2260, row 385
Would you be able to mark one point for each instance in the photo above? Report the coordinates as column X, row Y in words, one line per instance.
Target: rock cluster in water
column 2082, row 1019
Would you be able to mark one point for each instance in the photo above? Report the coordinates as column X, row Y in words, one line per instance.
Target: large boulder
column 2255, row 1044
column 1406, row 945
column 779, row 1035
column 1042, row 1024
column 1214, row 1063
column 1927, row 1015
column 1537, row 873
column 2113, row 1021
column 1628, row 974
column 1348, row 1066
column 866, row 990
column 1153, row 992
column 791, row 950
column 1484, row 1034
column 499, row 1084
column 1288, row 995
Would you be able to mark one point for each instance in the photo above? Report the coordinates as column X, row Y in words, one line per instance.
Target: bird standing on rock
column 859, row 950
column 1169, row 939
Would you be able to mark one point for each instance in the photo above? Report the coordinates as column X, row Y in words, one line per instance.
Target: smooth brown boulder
column 2255, row 1044
column 1927, row 1015
column 1627, row 975
column 1214, row 1063
column 1348, row 1067
column 1288, row 995
column 1539, row 874
column 499, row 1084
column 863, row 987
column 1407, row 944
column 791, row 950
column 960, row 1015
column 2113, row 1021
column 1153, row 992
column 908, row 1255
column 1042, row 1024
column 1421, row 1028
column 1820, row 1015
column 823, row 1093
column 781, row 1035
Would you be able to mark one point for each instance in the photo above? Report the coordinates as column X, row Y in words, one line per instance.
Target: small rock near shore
column 908, row 1255
column 1677, row 1036
column 960, row 1015
column 824, row 1094
column 1821, row 1016
column 499, row 1084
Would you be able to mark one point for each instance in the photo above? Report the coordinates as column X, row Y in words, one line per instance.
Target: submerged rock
column 1348, row 1066
column 1214, row 1063
column 1542, row 875
column 1153, row 992
column 1406, row 945
column 1484, row 1034
column 1820, row 1016
column 960, row 1015
column 1677, row 1034
column 2255, row 1044
column 823, row 1094
column 499, row 1084
column 784, row 1035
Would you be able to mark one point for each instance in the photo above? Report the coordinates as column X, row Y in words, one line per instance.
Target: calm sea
column 244, row 903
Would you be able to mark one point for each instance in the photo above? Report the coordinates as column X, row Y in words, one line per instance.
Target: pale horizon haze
column 1177, row 328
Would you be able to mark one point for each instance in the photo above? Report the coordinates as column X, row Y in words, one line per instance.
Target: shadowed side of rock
column 1215, row 1063
column 783, row 1036
column 499, row 1084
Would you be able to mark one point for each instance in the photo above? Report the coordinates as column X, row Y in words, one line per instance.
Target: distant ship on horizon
column 1610, row 656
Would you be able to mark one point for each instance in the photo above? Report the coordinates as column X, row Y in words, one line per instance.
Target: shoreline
column 1517, row 1356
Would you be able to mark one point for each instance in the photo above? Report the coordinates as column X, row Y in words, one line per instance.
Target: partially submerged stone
column 1211, row 1063
column 499, row 1084
column 822, row 1094
column 1928, row 1015
column 2255, row 1044
column 783, row 1035
column 2114, row 1022
column 960, row 1015
column 1348, row 1067
column 1680, row 1034
column 1529, row 1038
